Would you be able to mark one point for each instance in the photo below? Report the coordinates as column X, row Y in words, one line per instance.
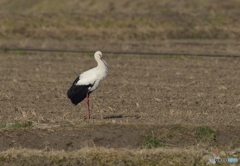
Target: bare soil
column 141, row 95
column 112, row 136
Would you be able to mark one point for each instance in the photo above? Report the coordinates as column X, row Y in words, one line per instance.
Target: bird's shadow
column 116, row 117
column 113, row 117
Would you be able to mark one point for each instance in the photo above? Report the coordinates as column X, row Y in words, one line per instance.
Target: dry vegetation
column 149, row 111
column 121, row 26
column 102, row 156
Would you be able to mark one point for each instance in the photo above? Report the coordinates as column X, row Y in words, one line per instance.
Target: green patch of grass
column 205, row 133
column 176, row 127
column 19, row 52
column 15, row 125
column 218, row 20
column 5, row 50
column 79, row 38
column 170, row 136
column 151, row 142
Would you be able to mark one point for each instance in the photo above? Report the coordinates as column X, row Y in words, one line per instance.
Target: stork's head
column 98, row 55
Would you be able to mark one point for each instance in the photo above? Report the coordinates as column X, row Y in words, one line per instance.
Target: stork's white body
column 93, row 76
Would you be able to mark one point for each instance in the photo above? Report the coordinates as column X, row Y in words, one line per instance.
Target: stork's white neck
column 101, row 64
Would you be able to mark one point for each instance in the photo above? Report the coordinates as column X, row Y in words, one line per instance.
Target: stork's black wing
column 77, row 93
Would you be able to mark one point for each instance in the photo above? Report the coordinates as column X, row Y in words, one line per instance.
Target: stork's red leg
column 88, row 110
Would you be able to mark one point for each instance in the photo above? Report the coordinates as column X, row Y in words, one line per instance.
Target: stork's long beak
column 104, row 62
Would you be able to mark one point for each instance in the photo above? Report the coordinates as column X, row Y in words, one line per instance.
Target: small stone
column 137, row 104
column 222, row 153
column 157, row 99
column 207, row 157
column 235, row 151
column 238, row 105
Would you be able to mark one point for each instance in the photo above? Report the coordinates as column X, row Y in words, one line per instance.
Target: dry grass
column 124, row 6
column 120, row 21
column 148, row 26
column 118, row 27
column 102, row 156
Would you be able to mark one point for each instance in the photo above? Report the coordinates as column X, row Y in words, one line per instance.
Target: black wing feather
column 77, row 93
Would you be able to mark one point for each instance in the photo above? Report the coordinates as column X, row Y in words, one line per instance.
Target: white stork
column 87, row 82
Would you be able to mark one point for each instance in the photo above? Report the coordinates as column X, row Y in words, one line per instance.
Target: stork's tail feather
column 77, row 93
